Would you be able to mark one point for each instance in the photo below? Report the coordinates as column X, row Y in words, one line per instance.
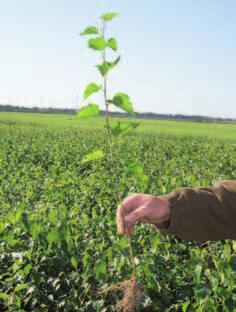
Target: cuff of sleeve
column 175, row 201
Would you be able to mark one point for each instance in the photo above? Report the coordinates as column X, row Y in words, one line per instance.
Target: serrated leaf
column 90, row 30
column 109, row 16
column 90, row 89
column 122, row 101
column 122, row 127
column 93, row 156
column 105, row 67
column 97, row 44
column 91, row 110
column 112, row 43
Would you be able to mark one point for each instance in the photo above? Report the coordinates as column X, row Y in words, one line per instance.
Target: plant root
column 132, row 292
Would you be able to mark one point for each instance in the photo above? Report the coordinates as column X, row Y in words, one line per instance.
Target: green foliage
column 137, row 171
column 112, row 43
column 91, row 110
column 105, row 67
column 90, row 89
column 122, row 101
column 58, row 235
column 90, row 30
column 75, row 205
column 97, row 44
column 123, row 127
column 93, row 156
column 109, row 16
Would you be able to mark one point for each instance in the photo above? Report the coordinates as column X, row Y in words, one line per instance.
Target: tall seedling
column 98, row 42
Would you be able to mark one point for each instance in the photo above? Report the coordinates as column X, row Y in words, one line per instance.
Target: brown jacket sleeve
column 205, row 213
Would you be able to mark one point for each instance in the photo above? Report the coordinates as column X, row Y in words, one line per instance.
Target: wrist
column 166, row 208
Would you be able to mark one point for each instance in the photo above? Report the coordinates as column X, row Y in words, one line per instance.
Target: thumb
column 136, row 215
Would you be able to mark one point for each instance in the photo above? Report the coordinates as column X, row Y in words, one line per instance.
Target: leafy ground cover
column 218, row 131
column 58, row 236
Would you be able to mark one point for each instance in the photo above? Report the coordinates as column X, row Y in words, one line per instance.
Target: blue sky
column 178, row 56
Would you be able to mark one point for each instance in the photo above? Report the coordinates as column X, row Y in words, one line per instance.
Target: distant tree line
column 71, row 111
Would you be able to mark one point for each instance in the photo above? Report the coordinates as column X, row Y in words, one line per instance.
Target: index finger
column 128, row 205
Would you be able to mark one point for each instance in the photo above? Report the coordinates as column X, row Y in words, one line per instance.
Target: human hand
column 141, row 207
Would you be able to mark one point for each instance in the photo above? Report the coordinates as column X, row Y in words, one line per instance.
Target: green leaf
column 122, row 101
column 185, row 306
column 91, row 110
column 2, row 227
column 74, row 262
column 90, row 30
column 203, row 292
column 20, row 287
column 123, row 243
column 52, row 216
column 100, row 270
column 109, row 16
column 90, row 89
column 197, row 271
column 122, row 127
column 4, row 296
column 35, row 230
column 105, row 67
column 27, row 269
column 93, row 156
column 97, row 44
column 9, row 239
column 53, row 236
column 137, row 172
column 112, row 43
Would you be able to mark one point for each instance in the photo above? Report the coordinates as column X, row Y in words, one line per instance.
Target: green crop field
column 58, row 238
column 219, row 131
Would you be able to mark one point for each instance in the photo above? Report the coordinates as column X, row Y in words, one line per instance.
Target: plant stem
column 131, row 252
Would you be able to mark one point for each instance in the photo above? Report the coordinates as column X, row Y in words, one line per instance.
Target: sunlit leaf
column 27, row 268
column 112, row 43
column 90, row 30
column 91, row 110
column 35, row 230
column 20, row 287
column 93, row 156
column 197, row 271
column 53, row 236
column 2, row 227
column 52, row 216
column 185, row 306
column 100, row 270
column 123, row 243
column 97, row 44
column 90, row 89
column 4, row 296
column 137, row 172
column 109, row 16
column 122, row 127
column 74, row 262
column 122, row 101
column 105, row 67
